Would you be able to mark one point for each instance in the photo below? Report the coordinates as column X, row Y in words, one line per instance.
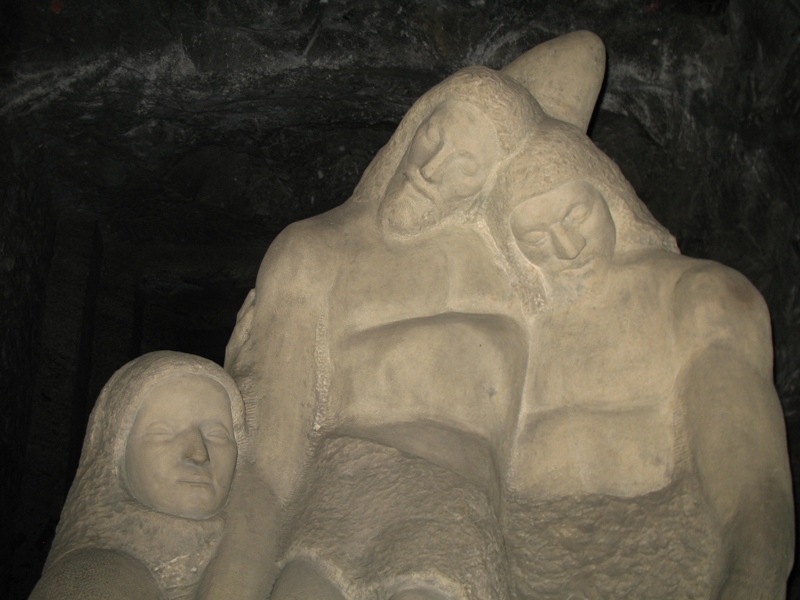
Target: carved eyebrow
column 214, row 427
column 524, row 220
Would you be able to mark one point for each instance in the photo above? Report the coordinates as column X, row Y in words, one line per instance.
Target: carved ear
column 564, row 75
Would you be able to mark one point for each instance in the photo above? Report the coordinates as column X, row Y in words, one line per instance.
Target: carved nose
column 195, row 450
column 432, row 167
column 568, row 244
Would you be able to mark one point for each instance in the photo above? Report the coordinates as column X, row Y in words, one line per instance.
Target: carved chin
column 407, row 214
column 572, row 285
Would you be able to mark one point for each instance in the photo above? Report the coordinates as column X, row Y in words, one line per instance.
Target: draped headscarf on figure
column 127, row 498
column 505, row 103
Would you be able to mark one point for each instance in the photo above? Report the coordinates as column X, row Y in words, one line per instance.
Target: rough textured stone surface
column 132, row 508
column 194, row 132
column 510, row 315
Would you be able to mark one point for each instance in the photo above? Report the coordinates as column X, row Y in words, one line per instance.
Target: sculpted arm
column 273, row 362
column 736, row 433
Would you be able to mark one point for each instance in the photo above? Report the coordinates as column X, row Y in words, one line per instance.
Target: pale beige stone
column 181, row 451
column 142, row 517
column 648, row 403
column 98, row 574
column 358, row 299
column 565, row 75
column 491, row 374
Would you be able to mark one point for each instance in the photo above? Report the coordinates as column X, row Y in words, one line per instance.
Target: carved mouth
column 409, row 206
column 196, row 482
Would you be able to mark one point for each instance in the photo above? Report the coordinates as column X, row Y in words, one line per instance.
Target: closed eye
column 216, row 433
column 534, row 238
column 578, row 214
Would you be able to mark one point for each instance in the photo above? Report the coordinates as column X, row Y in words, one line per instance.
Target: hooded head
column 157, row 464
column 559, row 161
column 444, row 157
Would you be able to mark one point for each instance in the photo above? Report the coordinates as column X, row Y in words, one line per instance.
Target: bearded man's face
column 444, row 169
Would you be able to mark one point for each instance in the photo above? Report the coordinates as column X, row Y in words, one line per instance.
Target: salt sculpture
column 488, row 375
column 142, row 518
column 491, row 374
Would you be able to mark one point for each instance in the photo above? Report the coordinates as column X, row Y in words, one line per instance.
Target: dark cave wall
column 151, row 151
column 25, row 230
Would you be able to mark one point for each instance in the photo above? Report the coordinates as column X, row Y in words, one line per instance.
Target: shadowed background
column 150, row 151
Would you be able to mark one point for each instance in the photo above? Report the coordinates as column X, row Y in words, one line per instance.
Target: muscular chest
column 598, row 414
column 458, row 371
column 614, row 355
column 443, row 388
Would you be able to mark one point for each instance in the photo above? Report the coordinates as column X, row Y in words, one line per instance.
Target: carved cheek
column 151, row 467
column 464, row 186
column 223, row 463
column 600, row 233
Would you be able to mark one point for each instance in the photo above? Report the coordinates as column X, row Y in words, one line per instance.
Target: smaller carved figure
column 143, row 516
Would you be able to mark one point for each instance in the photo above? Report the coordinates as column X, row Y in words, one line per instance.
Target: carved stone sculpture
column 399, row 352
column 649, row 435
column 489, row 375
column 142, row 517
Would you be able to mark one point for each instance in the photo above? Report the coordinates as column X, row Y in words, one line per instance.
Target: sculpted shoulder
column 302, row 254
column 716, row 305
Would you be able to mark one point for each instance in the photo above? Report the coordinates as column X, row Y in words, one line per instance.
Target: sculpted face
column 181, row 452
column 445, row 167
column 568, row 233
